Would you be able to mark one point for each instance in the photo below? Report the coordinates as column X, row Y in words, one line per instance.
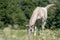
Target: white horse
column 38, row 13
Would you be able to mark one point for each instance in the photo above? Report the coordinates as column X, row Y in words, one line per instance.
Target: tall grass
column 47, row 34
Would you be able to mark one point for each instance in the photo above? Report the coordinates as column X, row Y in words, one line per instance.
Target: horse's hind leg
column 43, row 24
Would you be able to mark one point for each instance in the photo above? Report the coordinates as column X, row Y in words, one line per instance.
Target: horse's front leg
column 35, row 31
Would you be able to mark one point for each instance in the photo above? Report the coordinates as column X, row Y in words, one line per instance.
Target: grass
column 47, row 34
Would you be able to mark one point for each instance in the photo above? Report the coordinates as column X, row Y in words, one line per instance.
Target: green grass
column 47, row 34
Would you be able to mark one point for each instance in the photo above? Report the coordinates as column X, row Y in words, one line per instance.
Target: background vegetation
column 15, row 14
column 18, row 12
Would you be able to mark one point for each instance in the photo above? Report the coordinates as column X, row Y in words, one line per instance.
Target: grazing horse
column 38, row 13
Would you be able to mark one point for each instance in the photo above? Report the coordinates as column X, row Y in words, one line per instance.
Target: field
column 47, row 34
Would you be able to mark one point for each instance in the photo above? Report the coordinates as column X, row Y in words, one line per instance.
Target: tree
column 19, row 12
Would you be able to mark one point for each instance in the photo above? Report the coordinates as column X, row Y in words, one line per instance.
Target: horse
column 38, row 13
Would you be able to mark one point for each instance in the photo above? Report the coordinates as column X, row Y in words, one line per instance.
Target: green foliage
column 19, row 12
column 1, row 24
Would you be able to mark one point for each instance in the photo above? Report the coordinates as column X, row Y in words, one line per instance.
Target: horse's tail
column 50, row 5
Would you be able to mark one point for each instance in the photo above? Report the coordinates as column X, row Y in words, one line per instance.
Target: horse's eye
column 30, row 29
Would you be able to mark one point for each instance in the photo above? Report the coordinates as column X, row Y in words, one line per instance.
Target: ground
column 47, row 34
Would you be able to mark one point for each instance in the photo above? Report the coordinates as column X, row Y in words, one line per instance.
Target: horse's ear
column 27, row 25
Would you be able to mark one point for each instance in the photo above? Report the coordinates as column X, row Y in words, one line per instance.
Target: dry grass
column 10, row 34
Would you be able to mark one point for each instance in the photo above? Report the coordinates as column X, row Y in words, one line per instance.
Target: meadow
column 11, row 34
